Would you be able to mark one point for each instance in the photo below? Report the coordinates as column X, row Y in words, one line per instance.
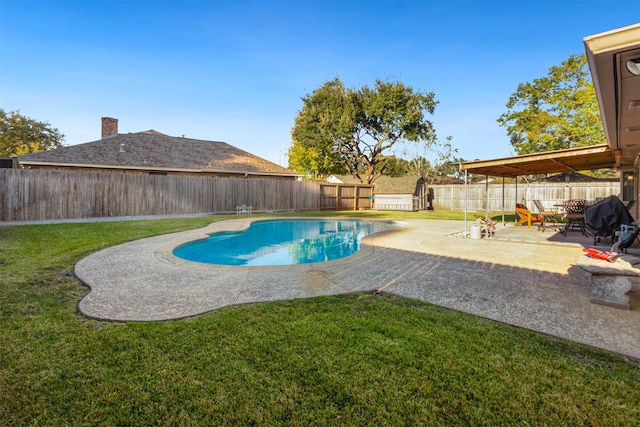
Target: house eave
column 152, row 168
column 235, row 172
column 617, row 39
column 616, row 88
column 99, row 166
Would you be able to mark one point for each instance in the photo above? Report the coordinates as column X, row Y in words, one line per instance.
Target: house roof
column 618, row 89
column 155, row 151
column 383, row 184
column 575, row 177
column 394, row 185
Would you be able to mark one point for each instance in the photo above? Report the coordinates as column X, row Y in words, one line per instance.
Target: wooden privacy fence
column 27, row 195
column 480, row 197
column 345, row 196
column 33, row 195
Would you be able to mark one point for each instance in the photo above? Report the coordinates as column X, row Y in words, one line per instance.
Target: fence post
column 355, row 197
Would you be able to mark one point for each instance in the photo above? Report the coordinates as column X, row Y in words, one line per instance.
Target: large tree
column 555, row 112
column 352, row 130
column 21, row 135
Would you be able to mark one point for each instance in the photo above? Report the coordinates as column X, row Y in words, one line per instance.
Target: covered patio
column 614, row 62
column 569, row 160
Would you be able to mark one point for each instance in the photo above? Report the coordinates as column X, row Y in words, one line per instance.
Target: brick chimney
column 109, row 126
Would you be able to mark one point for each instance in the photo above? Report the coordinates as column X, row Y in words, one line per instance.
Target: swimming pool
column 282, row 242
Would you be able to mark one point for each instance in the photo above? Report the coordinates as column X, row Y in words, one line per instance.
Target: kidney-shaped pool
column 283, row 242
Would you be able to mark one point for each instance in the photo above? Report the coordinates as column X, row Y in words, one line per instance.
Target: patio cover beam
column 569, row 160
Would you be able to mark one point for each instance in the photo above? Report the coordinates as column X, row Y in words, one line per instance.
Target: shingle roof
column 574, row 177
column 151, row 149
column 396, row 185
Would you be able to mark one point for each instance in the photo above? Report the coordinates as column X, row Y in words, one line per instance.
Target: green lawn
column 354, row 359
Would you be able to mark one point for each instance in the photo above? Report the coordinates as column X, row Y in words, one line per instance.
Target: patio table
column 574, row 214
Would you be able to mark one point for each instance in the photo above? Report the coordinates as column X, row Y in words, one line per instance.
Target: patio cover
column 569, row 160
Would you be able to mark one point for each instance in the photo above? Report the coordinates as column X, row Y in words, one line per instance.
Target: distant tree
column 396, row 166
column 421, row 167
column 555, row 112
column 445, row 163
column 351, row 130
column 21, row 135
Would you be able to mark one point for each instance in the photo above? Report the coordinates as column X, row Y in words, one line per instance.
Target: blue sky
column 236, row 71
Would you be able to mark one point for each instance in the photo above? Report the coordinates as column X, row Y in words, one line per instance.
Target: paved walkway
column 521, row 277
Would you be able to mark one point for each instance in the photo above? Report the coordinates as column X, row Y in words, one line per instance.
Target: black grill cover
column 607, row 215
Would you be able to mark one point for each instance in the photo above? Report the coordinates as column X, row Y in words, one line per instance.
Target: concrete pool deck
column 521, row 277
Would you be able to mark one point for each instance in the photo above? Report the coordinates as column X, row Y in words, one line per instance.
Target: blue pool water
column 282, row 242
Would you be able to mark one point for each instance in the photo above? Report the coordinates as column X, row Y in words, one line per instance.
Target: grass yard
column 355, row 359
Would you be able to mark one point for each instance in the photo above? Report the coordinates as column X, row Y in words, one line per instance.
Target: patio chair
column 548, row 216
column 574, row 215
column 487, row 226
column 525, row 215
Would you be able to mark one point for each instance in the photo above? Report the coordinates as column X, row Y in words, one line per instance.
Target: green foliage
column 445, row 164
column 555, row 112
column 21, row 135
column 321, row 117
column 340, row 129
column 354, row 359
column 421, row 167
column 602, row 173
column 395, row 166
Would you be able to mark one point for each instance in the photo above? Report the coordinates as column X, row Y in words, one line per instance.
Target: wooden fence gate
column 345, row 196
